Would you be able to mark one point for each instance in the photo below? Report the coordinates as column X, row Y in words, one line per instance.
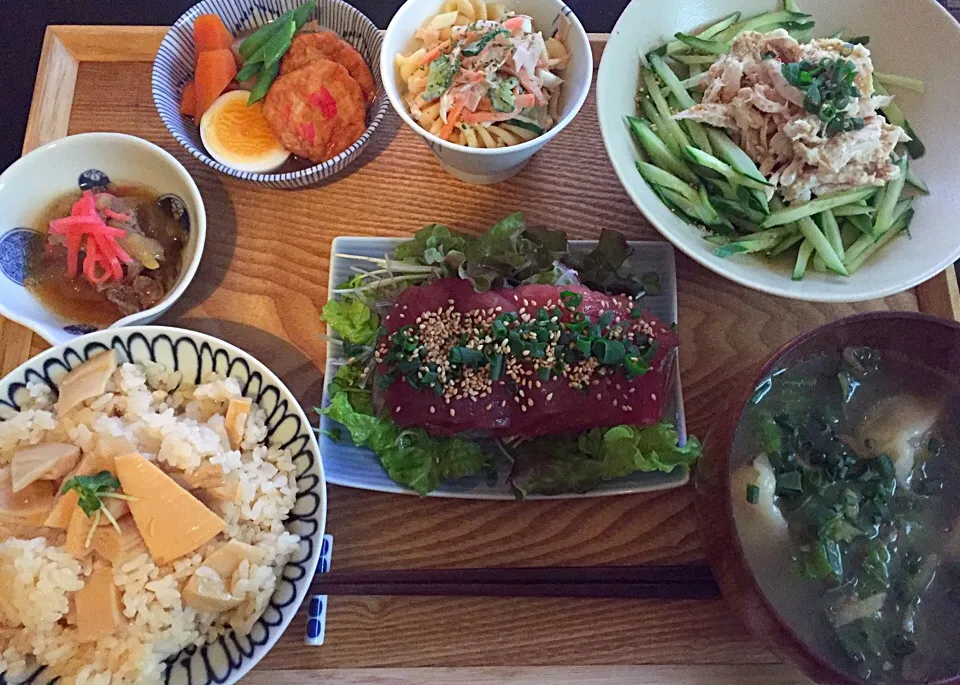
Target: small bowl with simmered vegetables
column 827, row 499
column 100, row 230
column 283, row 96
column 797, row 148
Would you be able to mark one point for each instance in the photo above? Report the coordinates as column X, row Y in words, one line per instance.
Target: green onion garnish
column 610, row 352
column 585, row 345
column 467, row 356
column 571, row 299
column 496, row 366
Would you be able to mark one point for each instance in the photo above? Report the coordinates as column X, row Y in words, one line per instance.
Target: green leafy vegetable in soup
column 859, row 449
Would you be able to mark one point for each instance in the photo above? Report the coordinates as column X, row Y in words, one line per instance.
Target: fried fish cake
column 309, row 47
column 317, row 112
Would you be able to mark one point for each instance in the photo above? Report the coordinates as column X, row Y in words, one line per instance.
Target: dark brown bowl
column 930, row 341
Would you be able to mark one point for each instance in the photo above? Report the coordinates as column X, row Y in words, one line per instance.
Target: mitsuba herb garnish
column 90, row 489
column 90, row 493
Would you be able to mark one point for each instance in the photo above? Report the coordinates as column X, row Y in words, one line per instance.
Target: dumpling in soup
column 764, row 513
column 899, row 427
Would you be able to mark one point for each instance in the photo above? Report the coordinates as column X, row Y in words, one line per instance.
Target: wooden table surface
column 261, row 285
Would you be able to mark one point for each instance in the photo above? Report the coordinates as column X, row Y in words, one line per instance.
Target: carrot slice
column 188, row 100
column 210, row 33
column 525, row 100
column 452, row 117
column 433, row 54
column 215, row 71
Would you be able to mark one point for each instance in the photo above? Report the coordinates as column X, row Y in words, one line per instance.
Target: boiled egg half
column 238, row 136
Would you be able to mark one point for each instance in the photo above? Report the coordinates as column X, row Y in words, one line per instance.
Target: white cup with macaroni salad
column 486, row 84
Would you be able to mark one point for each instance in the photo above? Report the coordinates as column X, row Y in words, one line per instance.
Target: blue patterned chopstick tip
column 317, row 606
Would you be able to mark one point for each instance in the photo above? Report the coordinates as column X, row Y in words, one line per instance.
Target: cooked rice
column 175, row 425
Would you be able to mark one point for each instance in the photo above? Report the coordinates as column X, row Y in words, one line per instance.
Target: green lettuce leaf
column 350, row 381
column 508, row 254
column 579, row 463
column 353, row 320
column 411, row 457
column 434, row 245
column 512, row 252
column 601, row 268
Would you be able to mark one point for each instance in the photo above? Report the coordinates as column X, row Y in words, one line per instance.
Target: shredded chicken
column 746, row 93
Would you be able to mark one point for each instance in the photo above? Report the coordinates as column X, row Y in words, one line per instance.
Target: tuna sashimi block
column 521, row 362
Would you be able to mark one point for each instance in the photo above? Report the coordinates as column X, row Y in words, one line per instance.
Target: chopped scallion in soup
column 843, row 499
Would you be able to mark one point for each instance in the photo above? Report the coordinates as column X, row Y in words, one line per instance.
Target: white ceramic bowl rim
column 198, row 225
column 389, row 77
column 330, row 165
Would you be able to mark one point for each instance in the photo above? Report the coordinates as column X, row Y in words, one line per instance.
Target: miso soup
column 845, row 490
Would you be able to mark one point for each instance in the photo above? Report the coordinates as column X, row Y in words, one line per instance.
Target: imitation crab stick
column 514, row 25
column 210, row 33
column 486, row 117
column 527, row 82
column 452, row 117
column 525, row 100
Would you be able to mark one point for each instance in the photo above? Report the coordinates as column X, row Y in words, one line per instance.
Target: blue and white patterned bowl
column 230, row 657
column 77, row 163
column 174, row 66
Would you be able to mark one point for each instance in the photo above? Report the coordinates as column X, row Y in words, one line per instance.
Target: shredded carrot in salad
column 485, row 72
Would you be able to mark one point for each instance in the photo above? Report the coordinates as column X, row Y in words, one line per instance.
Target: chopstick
column 653, row 582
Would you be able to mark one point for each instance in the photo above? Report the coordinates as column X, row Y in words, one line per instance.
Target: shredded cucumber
column 703, row 175
column 821, row 204
column 803, row 258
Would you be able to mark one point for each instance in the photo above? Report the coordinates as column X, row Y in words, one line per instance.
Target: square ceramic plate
column 345, row 464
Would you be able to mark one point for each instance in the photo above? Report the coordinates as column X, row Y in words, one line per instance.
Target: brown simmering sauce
column 142, row 287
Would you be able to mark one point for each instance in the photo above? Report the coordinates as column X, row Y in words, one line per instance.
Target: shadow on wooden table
column 295, row 369
column 218, row 250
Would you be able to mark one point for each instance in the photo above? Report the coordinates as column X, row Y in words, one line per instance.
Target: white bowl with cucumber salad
column 841, row 203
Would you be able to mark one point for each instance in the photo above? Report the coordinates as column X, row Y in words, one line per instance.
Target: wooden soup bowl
column 927, row 339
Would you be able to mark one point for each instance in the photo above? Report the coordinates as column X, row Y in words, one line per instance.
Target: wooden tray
column 261, row 284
